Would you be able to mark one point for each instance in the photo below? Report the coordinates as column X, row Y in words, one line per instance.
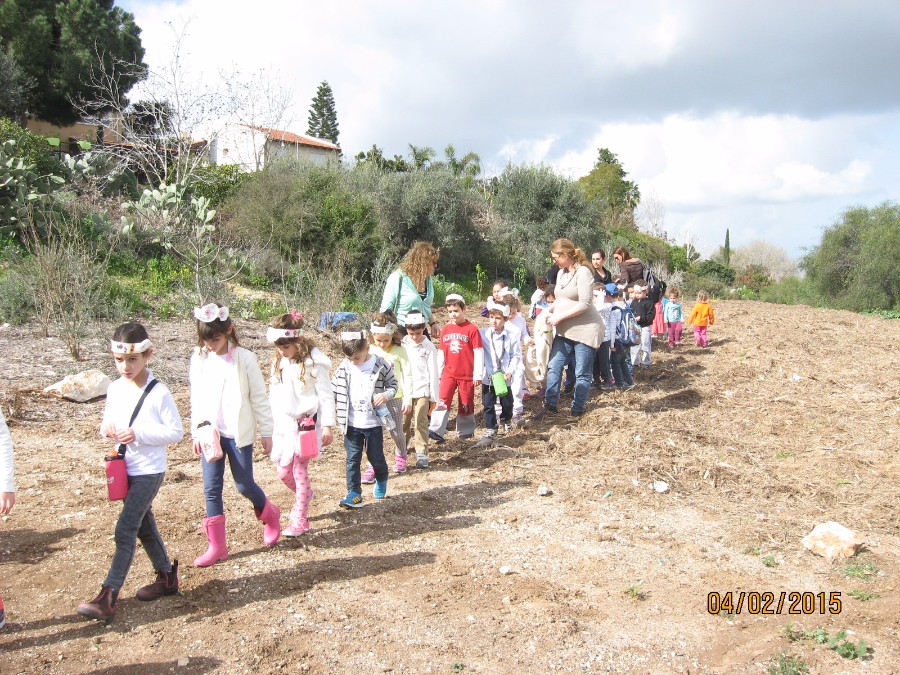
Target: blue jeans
column 619, row 361
column 137, row 522
column 372, row 441
column 584, row 366
column 241, row 462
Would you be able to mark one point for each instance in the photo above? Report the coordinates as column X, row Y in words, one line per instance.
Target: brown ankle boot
column 103, row 607
column 166, row 584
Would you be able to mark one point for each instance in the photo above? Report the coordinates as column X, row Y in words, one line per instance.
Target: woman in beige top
column 579, row 328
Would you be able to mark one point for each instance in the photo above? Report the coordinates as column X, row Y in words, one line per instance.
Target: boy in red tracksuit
column 463, row 356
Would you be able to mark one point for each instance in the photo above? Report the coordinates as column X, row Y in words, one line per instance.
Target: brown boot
column 166, row 584
column 103, row 607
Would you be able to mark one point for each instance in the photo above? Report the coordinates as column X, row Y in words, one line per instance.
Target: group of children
column 391, row 379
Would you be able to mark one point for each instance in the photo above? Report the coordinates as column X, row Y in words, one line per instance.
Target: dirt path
column 788, row 420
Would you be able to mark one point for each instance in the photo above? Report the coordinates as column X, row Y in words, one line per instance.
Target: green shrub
column 31, row 147
column 715, row 270
column 791, row 291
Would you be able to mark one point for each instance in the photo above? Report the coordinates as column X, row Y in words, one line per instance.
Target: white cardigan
column 292, row 397
column 7, row 469
column 244, row 399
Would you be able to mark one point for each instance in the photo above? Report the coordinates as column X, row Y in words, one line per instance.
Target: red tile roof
column 288, row 137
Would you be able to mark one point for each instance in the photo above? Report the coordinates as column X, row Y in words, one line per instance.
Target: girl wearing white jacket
column 299, row 389
column 228, row 394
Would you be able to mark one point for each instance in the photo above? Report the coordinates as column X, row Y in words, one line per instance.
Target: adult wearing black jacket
column 601, row 274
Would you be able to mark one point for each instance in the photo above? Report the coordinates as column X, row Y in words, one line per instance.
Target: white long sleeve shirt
column 7, row 467
column 424, row 367
column 157, row 424
column 292, row 397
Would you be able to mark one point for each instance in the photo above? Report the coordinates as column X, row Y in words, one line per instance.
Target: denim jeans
column 618, row 362
column 372, row 441
column 489, row 399
column 137, row 522
column 601, row 363
column 241, row 462
column 569, row 380
column 584, row 365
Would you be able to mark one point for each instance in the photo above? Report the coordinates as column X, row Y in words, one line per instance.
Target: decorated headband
column 455, row 296
column 130, row 347
column 415, row 318
column 275, row 334
column 507, row 292
column 210, row 312
column 387, row 329
column 498, row 306
column 347, row 336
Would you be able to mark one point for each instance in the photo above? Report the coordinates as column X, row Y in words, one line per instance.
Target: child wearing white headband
column 384, row 338
column 228, row 392
column 299, row 389
column 156, row 425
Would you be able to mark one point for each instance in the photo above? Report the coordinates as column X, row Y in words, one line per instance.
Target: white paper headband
column 455, row 296
column 210, row 312
column 514, row 292
column 275, row 334
column 415, row 318
column 353, row 335
column 388, row 329
column 498, row 306
column 130, row 347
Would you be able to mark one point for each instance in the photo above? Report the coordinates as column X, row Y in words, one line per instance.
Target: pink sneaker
column 368, row 476
column 296, row 529
column 399, row 465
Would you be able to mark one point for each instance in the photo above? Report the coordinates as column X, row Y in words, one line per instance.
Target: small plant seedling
column 863, row 571
column 862, row 596
column 787, row 664
column 751, row 550
column 838, row 642
column 769, row 561
column 635, row 592
column 782, row 454
column 841, row 481
column 458, row 667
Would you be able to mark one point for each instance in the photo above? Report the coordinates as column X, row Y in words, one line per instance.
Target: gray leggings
column 137, row 522
column 395, row 405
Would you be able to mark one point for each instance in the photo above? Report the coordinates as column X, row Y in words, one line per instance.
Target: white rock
column 506, row 569
column 81, row 387
column 543, row 491
column 660, row 486
column 183, row 662
column 832, row 540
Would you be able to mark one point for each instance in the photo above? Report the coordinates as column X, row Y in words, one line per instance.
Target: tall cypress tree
column 322, row 115
column 726, row 252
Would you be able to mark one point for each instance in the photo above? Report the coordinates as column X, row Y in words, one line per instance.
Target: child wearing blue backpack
column 621, row 338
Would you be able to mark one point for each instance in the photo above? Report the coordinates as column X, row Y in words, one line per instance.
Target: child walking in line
column 516, row 323
column 463, row 366
column 502, row 360
column 7, row 484
column 497, row 292
column 228, row 401
column 539, row 298
column 603, row 303
column 142, row 438
column 299, row 389
column 702, row 317
column 674, row 317
column 425, row 376
column 385, row 340
column 619, row 353
column 363, row 384
column 537, row 355
column 644, row 312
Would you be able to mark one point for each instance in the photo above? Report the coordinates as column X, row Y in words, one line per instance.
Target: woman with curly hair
column 410, row 287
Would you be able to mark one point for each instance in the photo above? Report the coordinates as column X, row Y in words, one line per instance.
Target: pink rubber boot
column 215, row 534
column 271, row 520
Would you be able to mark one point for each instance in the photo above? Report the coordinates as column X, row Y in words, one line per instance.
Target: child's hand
column 197, row 448
column 7, row 501
column 379, row 400
column 407, row 410
column 327, row 437
column 267, row 444
column 508, row 377
column 108, row 430
column 126, row 436
column 527, row 341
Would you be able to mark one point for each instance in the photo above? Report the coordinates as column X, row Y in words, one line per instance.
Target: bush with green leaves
column 23, row 191
column 216, row 182
column 716, row 270
column 31, row 147
column 855, row 265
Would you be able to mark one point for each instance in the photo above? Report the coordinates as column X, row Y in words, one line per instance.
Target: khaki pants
column 415, row 426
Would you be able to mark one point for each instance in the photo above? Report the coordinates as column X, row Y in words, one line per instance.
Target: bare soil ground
column 788, row 420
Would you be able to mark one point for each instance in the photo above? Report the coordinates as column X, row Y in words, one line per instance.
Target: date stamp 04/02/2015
column 767, row 602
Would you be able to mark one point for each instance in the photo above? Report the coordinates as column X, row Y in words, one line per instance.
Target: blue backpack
column 627, row 330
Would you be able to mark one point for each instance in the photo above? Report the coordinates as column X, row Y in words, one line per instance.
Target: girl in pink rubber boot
column 228, row 402
column 302, row 403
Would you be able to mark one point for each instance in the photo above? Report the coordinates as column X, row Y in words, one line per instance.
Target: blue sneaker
column 353, row 500
column 380, row 491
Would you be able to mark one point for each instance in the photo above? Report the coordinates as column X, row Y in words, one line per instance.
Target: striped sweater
column 385, row 383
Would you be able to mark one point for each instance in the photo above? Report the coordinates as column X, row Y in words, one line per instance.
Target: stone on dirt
column 82, row 387
column 832, row 540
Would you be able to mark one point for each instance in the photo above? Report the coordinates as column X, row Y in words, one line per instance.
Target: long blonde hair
column 567, row 247
column 292, row 320
column 419, row 261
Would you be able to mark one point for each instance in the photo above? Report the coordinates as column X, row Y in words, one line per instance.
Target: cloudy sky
column 767, row 117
